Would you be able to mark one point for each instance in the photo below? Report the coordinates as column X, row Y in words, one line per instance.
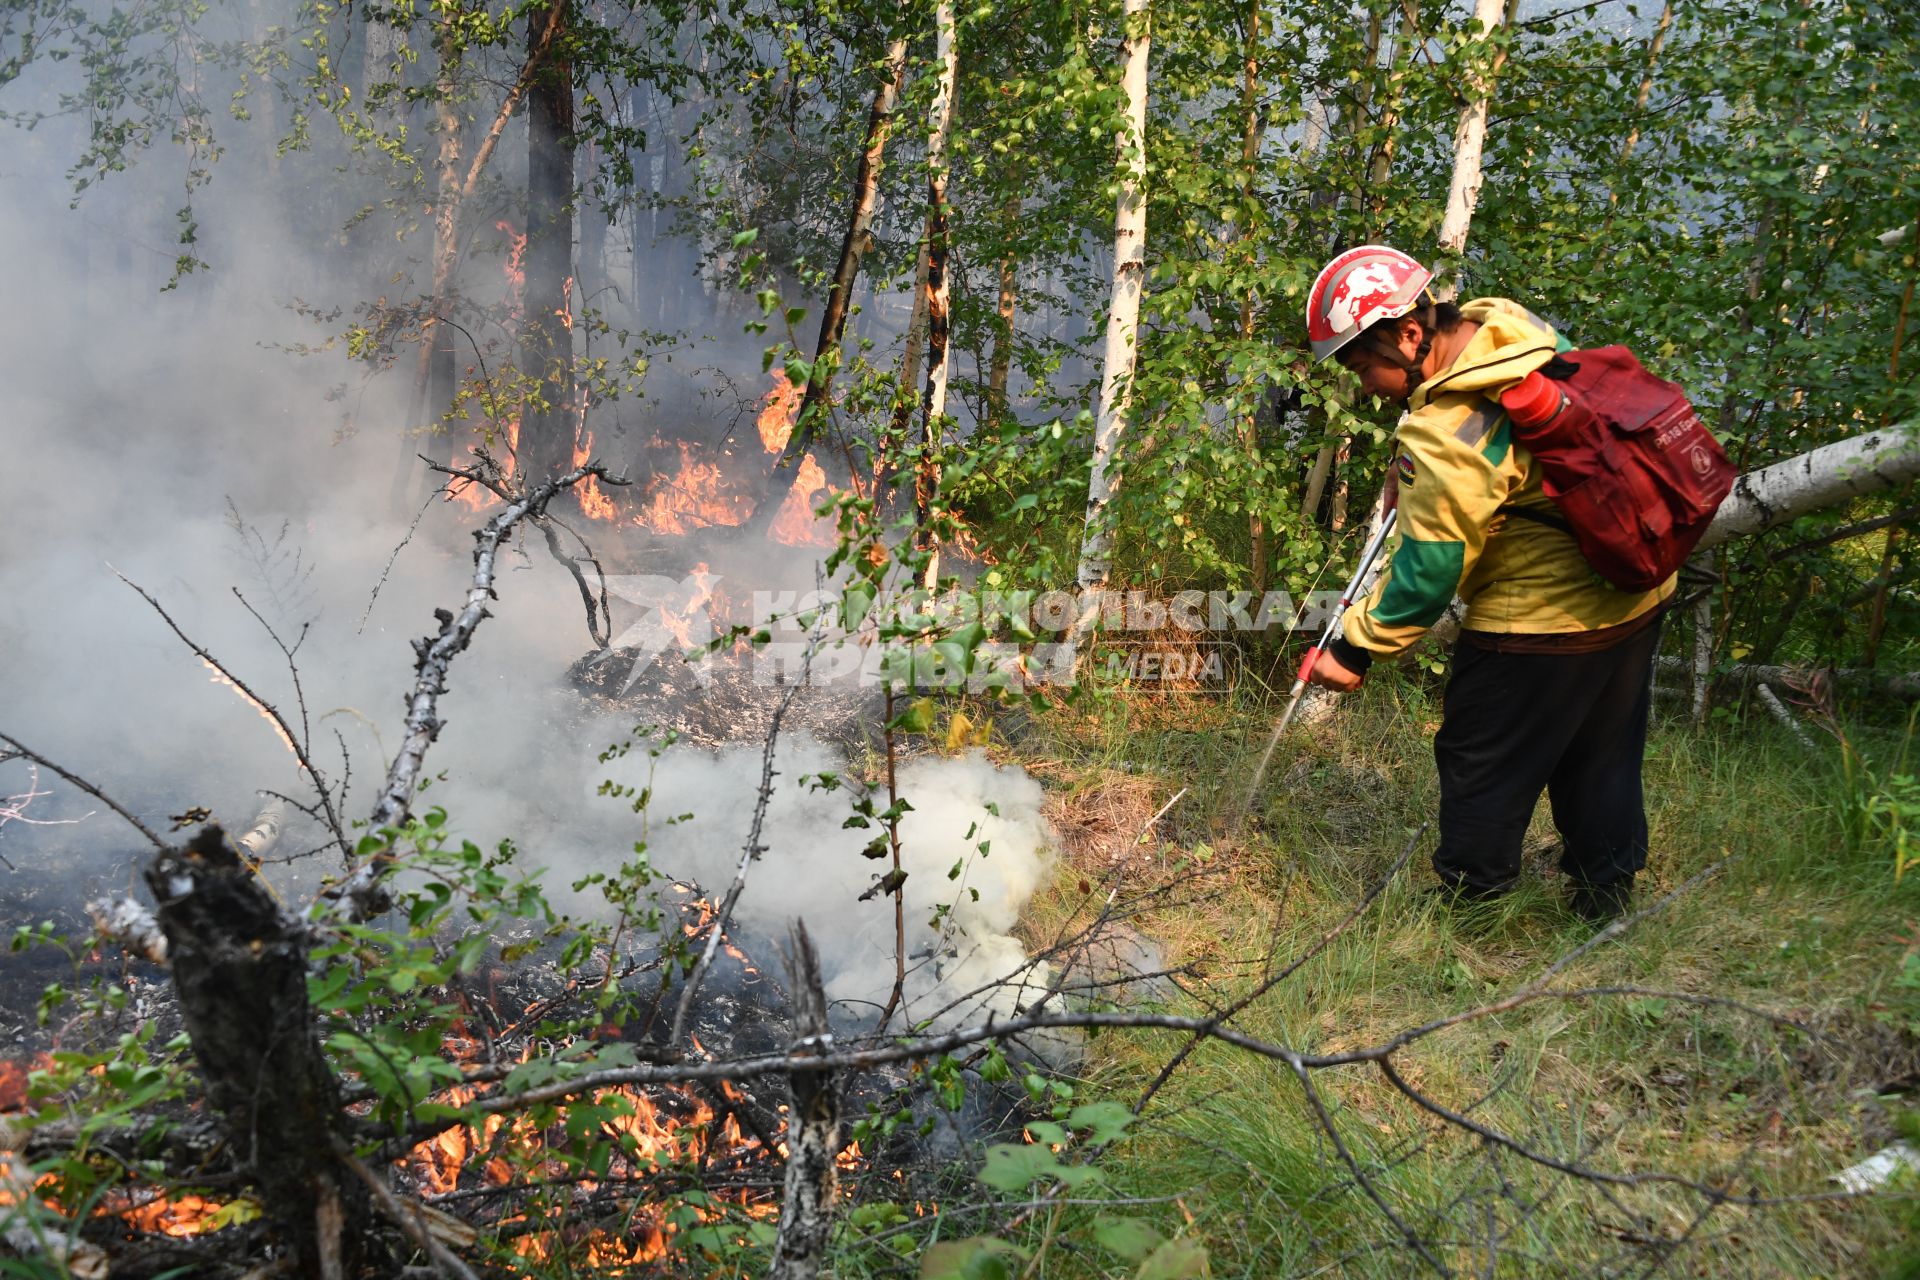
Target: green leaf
column 916, row 717
column 1130, row 1238
column 975, row 1258
column 1102, row 1121
column 1175, row 1260
column 855, row 605
column 1013, row 1167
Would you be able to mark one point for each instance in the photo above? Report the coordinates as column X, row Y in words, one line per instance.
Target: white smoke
column 131, row 416
column 975, row 843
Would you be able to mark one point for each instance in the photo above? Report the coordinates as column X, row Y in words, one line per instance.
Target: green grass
column 1231, row 1154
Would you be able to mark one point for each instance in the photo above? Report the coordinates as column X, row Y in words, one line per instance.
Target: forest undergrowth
column 1772, row 906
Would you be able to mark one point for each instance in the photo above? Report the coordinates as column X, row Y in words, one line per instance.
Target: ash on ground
column 726, row 700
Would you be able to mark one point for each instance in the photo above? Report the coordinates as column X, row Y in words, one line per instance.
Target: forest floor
column 1230, row 1152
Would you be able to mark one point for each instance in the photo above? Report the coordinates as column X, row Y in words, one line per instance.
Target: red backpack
column 1628, row 462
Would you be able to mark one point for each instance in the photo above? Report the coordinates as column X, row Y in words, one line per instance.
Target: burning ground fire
column 653, row 1134
column 692, row 487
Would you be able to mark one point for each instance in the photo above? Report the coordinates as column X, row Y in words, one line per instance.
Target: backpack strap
column 1538, row 517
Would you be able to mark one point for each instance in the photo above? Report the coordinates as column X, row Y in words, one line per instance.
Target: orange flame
column 777, row 413
column 700, row 495
column 594, row 504
column 647, row 1137
column 795, row 525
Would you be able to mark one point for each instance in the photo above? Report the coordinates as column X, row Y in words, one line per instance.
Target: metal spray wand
column 1374, row 546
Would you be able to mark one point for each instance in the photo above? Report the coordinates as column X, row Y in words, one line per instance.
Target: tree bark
column 1469, row 140
column 853, row 246
column 938, row 291
column 813, row 1126
column 1877, row 623
column 1008, row 304
column 548, row 424
column 1823, row 477
column 1123, row 313
column 433, row 375
column 1381, row 166
column 907, row 384
column 433, row 368
column 240, row 969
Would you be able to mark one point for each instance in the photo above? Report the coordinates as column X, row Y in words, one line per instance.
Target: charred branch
column 748, row 856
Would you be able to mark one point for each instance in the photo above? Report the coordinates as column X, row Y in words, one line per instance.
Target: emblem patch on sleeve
column 1405, row 468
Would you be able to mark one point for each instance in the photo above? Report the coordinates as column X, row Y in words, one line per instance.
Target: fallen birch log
column 1856, row 680
column 1823, row 477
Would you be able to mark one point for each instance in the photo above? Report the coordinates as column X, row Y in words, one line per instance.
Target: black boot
column 1600, row 904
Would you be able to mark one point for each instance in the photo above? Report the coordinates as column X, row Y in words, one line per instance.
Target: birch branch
column 131, row 925
column 1771, row 701
column 1862, row 680
column 361, row 893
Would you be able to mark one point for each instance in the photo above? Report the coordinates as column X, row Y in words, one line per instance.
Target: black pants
column 1574, row 724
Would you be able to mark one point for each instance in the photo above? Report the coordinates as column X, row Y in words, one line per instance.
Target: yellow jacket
column 1457, row 466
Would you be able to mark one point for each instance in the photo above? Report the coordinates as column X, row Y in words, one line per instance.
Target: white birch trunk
column 1469, row 140
column 938, row 288
column 1702, row 657
column 1823, row 477
column 1123, row 315
column 939, row 166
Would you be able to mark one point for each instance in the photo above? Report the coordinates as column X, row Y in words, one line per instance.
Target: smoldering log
column 813, row 1127
column 240, row 971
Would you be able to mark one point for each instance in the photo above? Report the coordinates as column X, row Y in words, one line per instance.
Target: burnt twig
column 748, row 856
column 411, row 1219
column 29, row 753
column 297, row 745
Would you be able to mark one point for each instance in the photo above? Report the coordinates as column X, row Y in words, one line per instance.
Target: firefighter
column 1551, row 679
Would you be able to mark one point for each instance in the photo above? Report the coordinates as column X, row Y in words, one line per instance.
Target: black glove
column 1559, row 369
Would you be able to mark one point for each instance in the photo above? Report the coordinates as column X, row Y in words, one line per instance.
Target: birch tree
column 853, row 247
column 1469, row 141
column 936, row 294
column 1123, row 310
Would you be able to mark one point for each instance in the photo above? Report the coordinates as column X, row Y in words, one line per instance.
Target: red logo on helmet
column 1365, row 287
